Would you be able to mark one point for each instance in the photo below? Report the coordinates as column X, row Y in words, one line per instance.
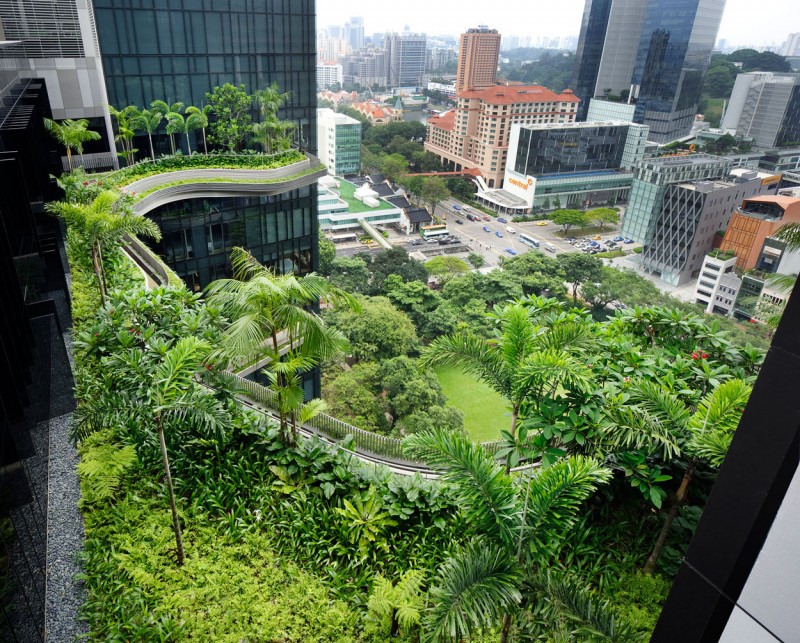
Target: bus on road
column 433, row 231
column 528, row 240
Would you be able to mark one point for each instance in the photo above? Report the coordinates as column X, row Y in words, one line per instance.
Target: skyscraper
column 354, row 31
column 654, row 52
column 407, row 55
column 478, row 54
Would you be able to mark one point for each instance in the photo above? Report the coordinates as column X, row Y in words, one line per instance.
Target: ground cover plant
column 484, row 409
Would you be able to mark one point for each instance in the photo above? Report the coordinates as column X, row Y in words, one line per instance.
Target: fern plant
column 400, row 605
column 102, row 468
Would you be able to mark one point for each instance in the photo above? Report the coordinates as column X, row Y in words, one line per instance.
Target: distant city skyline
column 741, row 24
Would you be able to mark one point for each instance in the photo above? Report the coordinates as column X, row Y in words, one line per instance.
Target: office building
column 572, row 165
column 354, row 33
column 178, row 55
column 339, row 142
column 367, row 67
column 650, row 182
column 718, row 284
column 655, row 52
column 475, row 134
column 439, row 58
column 691, row 215
column 478, row 57
column 60, row 46
column 792, row 45
column 753, row 223
column 607, row 110
column 765, row 107
column 406, row 56
column 328, row 74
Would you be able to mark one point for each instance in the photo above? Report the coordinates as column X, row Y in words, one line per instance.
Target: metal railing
column 382, row 448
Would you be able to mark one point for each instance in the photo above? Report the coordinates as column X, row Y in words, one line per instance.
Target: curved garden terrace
column 174, row 178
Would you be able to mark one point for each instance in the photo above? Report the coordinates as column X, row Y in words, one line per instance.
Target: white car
column 466, row 208
column 511, row 230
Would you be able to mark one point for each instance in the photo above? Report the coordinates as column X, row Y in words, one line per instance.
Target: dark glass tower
column 656, row 50
column 177, row 50
column 674, row 51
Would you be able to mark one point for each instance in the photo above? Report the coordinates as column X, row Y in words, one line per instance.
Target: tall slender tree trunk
column 680, row 496
column 514, row 417
column 69, row 158
column 188, row 144
column 205, row 148
column 97, row 264
column 175, row 521
column 152, row 152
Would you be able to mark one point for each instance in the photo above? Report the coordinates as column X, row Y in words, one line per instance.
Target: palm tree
column 271, row 314
column 126, row 129
column 525, row 363
column 72, row 134
column 167, row 111
column 178, row 124
column 148, row 121
column 270, row 100
column 160, row 396
column 102, row 223
column 653, row 420
column 517, row 523
column 202, row 120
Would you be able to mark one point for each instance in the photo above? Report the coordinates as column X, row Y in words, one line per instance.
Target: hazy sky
column 744, row 21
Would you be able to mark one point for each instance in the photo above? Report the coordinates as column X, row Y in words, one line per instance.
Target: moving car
column 498, row 233
column 511, row 251
column 618, row 238
column 459, row 221
column 501, row 220
column 541, row 223
column 466, row 208
column 486, row 217
column 511, row 230
column 486, row 228
column 457, row 207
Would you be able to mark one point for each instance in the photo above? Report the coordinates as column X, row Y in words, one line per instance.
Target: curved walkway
column 211, row 182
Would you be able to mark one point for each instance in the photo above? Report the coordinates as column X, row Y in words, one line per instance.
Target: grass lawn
column 485, row 411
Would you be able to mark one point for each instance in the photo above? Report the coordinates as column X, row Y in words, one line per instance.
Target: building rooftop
column 581, row 125
column 444, row 121
column 505, row 95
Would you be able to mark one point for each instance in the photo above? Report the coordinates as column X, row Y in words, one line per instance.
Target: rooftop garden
column 347, row 191
column 722, row 255
column 209, row 519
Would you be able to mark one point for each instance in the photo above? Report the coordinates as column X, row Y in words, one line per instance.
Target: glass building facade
column 198, row 234
column 674, row 51
column 658, row 50
column 570, row 149
column 177, row 50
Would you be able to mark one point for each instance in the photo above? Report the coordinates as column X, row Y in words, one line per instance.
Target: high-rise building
column 406, row 55
column 476, row 134
column 354, row 32
column 328, row 74
column 690, row 216
column 478, row 56
column 339, row 142
column 57, row 41
column 655, row 52
column 792, row 45
column 765, row 107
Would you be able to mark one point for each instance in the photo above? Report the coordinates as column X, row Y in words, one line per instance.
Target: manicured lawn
column 485, row 411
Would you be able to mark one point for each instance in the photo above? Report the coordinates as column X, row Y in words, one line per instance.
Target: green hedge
column 201, row 161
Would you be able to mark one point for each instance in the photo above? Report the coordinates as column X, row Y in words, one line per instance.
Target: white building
column 328, row 74
column 718, row 284
column 338, row 142
column 343, row 206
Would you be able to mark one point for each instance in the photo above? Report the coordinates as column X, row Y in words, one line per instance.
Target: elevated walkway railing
column 371, row 447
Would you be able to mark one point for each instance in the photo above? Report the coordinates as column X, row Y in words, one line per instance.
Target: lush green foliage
column 230, row 106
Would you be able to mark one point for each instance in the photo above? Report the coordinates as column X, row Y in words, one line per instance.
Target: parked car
column 571, row 238
column 618, row 238
column 459, row 222
column 498, row 233
column 486, row 228
column 466, row 208
column 629, row 241
column 511, row 251
column 486, row 217
column 597, row 237
column 472, row 217
column 501, row 220
column 457, row 207
column 416, row 242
